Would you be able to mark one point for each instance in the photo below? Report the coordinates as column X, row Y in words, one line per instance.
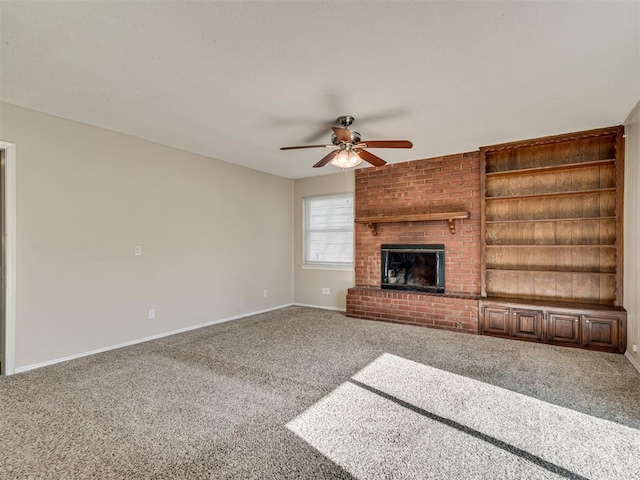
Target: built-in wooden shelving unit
column 554, row 205
column 552, row 233
column 372, row 221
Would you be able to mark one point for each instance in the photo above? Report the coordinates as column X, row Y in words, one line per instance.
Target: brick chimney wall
column 450, row 183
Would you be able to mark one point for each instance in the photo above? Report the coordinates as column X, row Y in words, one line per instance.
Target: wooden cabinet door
column 563, row 328
column 496, row 321
column 601, row 332
column 526, row 324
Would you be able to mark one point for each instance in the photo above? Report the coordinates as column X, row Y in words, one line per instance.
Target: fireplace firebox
column 413, row 267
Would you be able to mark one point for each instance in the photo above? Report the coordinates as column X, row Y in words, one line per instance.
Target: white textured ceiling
column 236, row 80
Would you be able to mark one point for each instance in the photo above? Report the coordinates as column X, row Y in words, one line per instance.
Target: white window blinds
column 328, row 230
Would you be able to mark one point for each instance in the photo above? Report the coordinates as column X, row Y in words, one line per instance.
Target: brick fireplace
column 442, row 184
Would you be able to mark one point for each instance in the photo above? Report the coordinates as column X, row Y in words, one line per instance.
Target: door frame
column 8, row 316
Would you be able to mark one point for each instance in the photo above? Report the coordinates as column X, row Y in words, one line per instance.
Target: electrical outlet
column 634, row 347
column 265, row 294
column 326, row 291
column 137, row 250
column 459, row 324
column 152, row 313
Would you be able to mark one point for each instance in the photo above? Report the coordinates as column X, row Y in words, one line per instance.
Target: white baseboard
column 320, row 306
column 632, row 360
column 145, row 339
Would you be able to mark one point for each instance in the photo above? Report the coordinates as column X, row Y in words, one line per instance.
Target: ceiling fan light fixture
column 346, row 159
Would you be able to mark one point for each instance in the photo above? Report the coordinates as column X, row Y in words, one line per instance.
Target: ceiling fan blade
column 307, row 146
column 370, row 157
column 386, row 144
column 343, row 134
column 326, row 159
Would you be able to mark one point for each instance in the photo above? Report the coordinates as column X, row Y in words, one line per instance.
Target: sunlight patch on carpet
column 402, row 419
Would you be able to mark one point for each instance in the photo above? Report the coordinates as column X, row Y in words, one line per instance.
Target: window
column 328, row 230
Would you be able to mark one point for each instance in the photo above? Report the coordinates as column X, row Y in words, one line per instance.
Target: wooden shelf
column 552, row 194
column 539, row 220
column 372, row 221
column 545, row 270
column 565, row 307
column 551, row 168
column 563, row 245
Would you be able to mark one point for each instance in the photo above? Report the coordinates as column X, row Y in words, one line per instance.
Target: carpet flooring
column 308, row 393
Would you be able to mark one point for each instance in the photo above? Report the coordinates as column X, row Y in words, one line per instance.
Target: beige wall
column 632, row 234
column 214, row 236
column 310, row 282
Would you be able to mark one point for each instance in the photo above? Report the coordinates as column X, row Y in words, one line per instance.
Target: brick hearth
column 450, row 183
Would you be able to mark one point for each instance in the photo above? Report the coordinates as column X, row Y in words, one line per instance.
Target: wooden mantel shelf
column 371, row 222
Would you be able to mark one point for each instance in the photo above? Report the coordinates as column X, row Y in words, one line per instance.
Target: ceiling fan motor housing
column 355, row 138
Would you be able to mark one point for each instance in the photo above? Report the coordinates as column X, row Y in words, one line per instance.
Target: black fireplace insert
column 413, row 267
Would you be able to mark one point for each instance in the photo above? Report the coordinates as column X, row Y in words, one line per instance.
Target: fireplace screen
column 413, row 267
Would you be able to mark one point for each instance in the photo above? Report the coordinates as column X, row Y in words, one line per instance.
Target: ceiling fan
column 350, row 148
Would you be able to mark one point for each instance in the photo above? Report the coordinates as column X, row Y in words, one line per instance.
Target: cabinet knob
column 577, row 320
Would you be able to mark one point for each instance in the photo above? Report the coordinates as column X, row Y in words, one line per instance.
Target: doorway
column 7, row 256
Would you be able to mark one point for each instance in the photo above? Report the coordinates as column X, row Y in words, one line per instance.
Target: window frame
column 306, row 264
